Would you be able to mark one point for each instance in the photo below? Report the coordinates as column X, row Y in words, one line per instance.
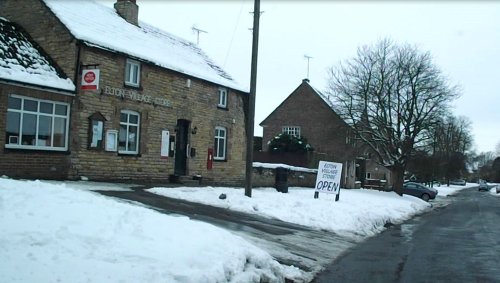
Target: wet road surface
column 458, row 241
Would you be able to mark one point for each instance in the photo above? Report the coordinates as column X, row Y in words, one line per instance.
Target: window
column 222, row 98
column 368, row 175
column 220, row 143
column 291, row 131
column 37, row 124
column 128, row 137
column 132, row 73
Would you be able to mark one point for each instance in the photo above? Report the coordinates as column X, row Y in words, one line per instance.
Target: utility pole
column 308, row 58
column 198, row 31
column 251, row 100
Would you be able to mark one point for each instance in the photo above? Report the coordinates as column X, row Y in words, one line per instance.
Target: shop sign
column 90, row 79
column 328, row 178
column 134, row 95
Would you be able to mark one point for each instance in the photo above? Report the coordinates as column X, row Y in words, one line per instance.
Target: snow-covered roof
column 102, row 27
column 22, row 61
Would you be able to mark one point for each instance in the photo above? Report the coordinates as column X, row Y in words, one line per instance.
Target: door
column 181, row 147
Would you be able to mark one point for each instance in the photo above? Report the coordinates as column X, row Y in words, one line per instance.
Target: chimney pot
column 128, row 10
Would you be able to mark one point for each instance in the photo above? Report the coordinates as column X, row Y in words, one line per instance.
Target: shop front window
column 36, row 124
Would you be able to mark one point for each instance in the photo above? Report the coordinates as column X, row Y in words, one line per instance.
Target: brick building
column 306, row 112
column 32, row 88
column 148, row 106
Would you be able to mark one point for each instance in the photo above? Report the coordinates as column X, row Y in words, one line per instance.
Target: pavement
column 290, row 244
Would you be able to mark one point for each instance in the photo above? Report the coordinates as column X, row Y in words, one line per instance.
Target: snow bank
column 53, row 233
column 358, row 212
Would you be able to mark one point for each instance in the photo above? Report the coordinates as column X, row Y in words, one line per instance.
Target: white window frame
column 132, row 68
column 218, row 154
column 127, row 124
column 39, row 114
column 291, row 131
column 222, row 97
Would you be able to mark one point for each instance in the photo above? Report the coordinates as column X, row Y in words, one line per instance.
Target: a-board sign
column 328, row 178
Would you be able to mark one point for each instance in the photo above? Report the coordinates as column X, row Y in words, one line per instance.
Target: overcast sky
column 462, row 36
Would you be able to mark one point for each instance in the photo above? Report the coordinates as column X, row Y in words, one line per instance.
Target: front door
column 181, row 146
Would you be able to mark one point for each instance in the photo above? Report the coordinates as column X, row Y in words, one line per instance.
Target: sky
column 462, row 36
column 100, row 237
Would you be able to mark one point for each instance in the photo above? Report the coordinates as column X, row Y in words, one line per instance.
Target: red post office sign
column 90, row 79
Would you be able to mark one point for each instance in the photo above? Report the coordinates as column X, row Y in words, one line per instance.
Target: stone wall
column 265, row 177
column 36, row 18
column 194, row 101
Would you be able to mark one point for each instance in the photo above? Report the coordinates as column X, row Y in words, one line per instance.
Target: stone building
column 148, row 106
column 308, row 113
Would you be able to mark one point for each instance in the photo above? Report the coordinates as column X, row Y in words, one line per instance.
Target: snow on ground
column 277, row 165
column 358, row 212
column 444, row 190
column 55, row 233
column 493, row 190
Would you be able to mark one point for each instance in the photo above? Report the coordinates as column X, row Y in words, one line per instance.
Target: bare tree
column 391, row 95
column 452, row 140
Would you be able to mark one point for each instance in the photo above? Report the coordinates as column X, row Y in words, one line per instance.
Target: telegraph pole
column 251, row 100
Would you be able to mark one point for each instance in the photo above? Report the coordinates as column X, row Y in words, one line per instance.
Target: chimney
column 128, row 10
column 305, row 80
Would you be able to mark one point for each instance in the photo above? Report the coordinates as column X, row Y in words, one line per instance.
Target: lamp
column 194, row 130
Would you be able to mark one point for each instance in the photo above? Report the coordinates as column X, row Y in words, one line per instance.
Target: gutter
column 38, row 87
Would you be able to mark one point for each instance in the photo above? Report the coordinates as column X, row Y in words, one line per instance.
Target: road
column 457, row 242
column 290, row 244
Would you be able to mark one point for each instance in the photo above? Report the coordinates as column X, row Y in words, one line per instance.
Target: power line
column 234, row 32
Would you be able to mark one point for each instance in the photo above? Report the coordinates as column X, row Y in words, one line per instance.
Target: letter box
column 210, row 158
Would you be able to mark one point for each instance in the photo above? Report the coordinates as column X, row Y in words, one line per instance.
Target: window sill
column 21, row 149
column 132, row 86
column 220, row 160
column 125, row 154
column 222, row 107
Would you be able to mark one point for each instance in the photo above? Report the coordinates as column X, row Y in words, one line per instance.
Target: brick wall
column 323, row 128
column 25, row 163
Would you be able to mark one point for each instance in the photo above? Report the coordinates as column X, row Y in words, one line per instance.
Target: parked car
column 458, row 182
column 419, row 190
column 483, row 186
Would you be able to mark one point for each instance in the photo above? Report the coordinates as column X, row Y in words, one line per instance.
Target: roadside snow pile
column 444, row 190
column 53, row 233
column 357, row 213
column 278, row 165
column 493, row 190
